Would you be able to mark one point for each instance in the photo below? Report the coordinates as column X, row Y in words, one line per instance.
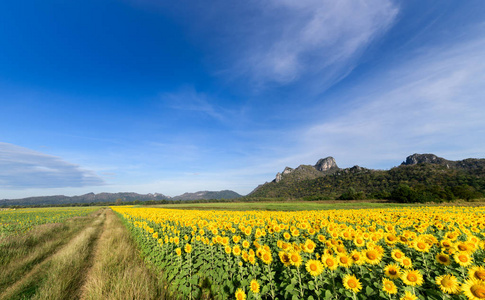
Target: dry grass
column 59, row 276
column 118, row 272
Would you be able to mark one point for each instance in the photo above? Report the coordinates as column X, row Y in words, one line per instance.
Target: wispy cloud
column 316, row 38
column 433, row 103
column 188, row 99
column 22, row 168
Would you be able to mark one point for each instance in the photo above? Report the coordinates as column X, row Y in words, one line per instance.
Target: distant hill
column 114, row 197
column 421, row 177
column 226, row 194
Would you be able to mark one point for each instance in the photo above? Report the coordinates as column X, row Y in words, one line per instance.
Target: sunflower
column 359, row 242
column 295, row 258
column 344, row 260
column 448, row 284
column 389, row 287
column 372, row 256
column 330, row 262
column 188, row 248
column 240, row 294
column 397, row 255
column 474, row 289
column 407, row 263
column 392, row 271
column 286, row 235
column 412, row 277
column 266, row 257
column 408, row 296
column 421, row 246
column 314, row 267
column 309, row 246
column 463, row 259
column 178, row 251
column 477, row 272
column 357, row 258
column 443, row 259
column 227, row 249
column 254, row 286
column 246, row 244
column 464, row 247
column 236, row 250
column 285, row 258
column 352, row 283
column 252, row 259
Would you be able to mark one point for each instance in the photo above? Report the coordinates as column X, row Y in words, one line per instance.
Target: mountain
column 86, row 198
column 421, row 176
column 226, row 194
column 115, row 197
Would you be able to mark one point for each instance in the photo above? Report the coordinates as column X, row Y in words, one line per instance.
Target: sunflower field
column 395, row 253
column 18, row 221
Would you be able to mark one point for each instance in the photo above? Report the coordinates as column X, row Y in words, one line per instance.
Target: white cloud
column 315, row 39
column 433, row 103
column 22, row 168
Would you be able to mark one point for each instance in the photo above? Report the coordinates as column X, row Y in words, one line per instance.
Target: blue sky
column 145, row 96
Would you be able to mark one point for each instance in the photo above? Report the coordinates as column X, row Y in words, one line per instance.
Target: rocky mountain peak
column 325, row 164
column 423, row 158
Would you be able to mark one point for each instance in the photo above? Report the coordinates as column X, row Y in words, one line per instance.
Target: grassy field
column 305, row 205
column 84, row 257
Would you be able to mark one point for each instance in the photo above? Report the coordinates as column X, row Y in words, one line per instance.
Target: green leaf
column 328, row 294
column 369, row 291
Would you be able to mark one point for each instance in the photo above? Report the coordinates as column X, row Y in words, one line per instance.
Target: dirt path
column 58, row 275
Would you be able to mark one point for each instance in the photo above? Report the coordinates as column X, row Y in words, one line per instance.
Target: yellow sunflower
column 344, row 260
column 476, row 272
column 474, row 289
column 330, row 262
column 397, row 255
column 388, row 286
column 406, row 263
column 188, row 248
column 357, row 258
column 285, row 258
column 240, row 294
column 295, row 258
column 314, row 267
column 266, row 257
column 408, row 296
column 392, row 271
column 463, row 259
column 352, row 283
column 372, row 256
column 254, row 286
column 443, row 259
column 448, row 284
column 309, row 246
column 412, row 277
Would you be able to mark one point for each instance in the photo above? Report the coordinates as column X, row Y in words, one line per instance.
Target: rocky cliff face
column 325, row 164
column 466, row 164
column 423, row 158
column 321, row 168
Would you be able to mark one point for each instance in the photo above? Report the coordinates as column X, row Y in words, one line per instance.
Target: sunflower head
column 474, row 289
column 443, row 259
column 477, row 272
column 392, row 271
column 352, row 283
column 314, row 267
column 448, row 284
column 388, row 286
column 254, row 286
column 412, row 277
column 240, row 294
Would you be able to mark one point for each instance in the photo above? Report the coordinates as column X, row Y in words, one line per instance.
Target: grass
column 59, row 275
column 90, row 257
column 20, row 254
column 306, row 205
column 118, row 272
